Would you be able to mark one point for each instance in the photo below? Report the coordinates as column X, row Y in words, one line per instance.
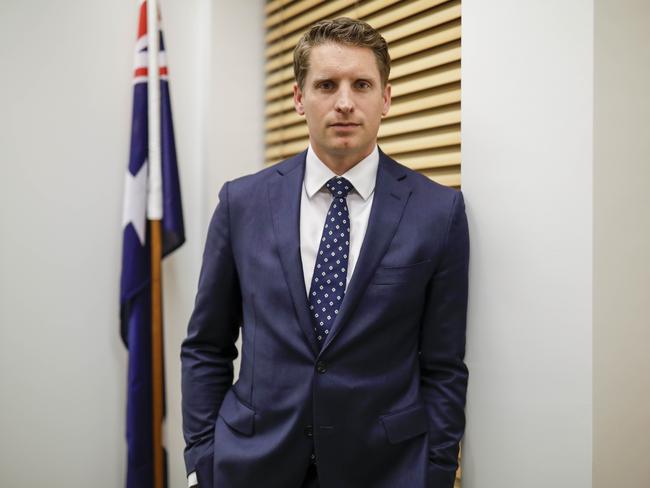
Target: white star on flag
column 135, row 202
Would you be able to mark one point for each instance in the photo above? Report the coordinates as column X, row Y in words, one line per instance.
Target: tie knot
column 339, row 187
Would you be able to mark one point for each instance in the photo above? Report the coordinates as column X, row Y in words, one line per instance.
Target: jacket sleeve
column 443, row 373
column 208, row 351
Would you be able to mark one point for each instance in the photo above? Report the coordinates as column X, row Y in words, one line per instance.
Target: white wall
column 225, row 139
column 64, row 134
column 621, row 244
column 527, row 105
column 65, row 94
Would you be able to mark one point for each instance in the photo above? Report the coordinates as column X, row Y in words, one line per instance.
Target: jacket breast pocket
column 236, row 415
column 405, row 424
column 394, row 275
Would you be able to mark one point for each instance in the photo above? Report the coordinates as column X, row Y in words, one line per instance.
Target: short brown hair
column 342, row 30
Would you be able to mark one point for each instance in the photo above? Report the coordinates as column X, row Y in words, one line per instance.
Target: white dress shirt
column 315, row 201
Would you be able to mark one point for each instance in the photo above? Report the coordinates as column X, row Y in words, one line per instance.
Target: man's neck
column 340, row 164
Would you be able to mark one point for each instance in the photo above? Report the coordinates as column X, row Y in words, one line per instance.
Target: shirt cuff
column 191, row 480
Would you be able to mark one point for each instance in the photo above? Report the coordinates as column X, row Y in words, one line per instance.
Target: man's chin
column 344, row 145
column 343, row 151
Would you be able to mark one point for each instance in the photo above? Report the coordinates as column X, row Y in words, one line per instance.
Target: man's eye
column 363, row 84
column 326, row 85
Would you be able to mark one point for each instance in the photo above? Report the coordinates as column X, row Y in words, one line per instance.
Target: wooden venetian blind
column 422, row 129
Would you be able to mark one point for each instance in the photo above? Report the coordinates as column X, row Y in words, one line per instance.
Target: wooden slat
column 446, row 136
column 273, row 5
column 279, row 61
column 355, row 12
column 392, row 35
column 282, row 120
column 279, row 106
column 323, row 10
column 284, row 14
column 430, row 158
column 427, row 20
column 445, row 176
column 279, row 76
column 429, row 119
column 284, row 150
column 282, row 105
column 426, row 40
column 400, row 12
column 286, row 73
column 378, row 21
column 298, row 131
column 280, row 91
column 285, row 44
column 448, row 73
column 424, row 101
column 447, row 53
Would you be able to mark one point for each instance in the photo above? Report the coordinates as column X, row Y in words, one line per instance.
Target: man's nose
column 344, row 101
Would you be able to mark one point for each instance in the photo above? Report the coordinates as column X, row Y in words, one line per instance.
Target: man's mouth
column 344, row 124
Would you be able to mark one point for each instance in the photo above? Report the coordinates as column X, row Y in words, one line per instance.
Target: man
column 347, row 273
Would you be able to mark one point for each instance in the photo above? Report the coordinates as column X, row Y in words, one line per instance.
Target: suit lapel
column 285, row 189
column 391, row 195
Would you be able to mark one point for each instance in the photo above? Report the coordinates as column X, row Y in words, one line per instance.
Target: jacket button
column 309, row 431
column 321, row 367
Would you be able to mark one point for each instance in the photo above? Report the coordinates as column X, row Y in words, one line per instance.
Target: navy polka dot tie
column 331, row 269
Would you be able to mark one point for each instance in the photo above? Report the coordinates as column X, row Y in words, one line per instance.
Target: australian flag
column 135, row 286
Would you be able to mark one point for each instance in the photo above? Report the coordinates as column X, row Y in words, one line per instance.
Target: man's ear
column 387, row 99
column 297, row 99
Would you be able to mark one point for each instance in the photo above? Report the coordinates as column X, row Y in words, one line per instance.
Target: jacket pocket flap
column 405, row 424
column 389, row 275
column 236, row 414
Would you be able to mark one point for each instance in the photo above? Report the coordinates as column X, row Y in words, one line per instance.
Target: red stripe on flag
column 145, row 71
column 142, row 24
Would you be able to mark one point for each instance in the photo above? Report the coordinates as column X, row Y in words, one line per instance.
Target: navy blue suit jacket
column 383, row 402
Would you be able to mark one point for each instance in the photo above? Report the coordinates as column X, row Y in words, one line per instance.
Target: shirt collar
column 362, row 175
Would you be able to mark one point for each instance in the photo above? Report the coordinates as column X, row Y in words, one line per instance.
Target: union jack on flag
column 135, row 285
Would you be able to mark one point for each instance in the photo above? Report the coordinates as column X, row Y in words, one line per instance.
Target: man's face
column 342, row 100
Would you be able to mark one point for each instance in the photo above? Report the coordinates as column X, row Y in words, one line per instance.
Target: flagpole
column 156, row 352
column 154, row 215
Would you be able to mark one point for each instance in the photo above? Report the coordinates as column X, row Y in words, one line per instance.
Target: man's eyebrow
column 363, row 77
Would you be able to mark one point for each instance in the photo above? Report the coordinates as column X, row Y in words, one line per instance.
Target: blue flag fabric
column 135, row 285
